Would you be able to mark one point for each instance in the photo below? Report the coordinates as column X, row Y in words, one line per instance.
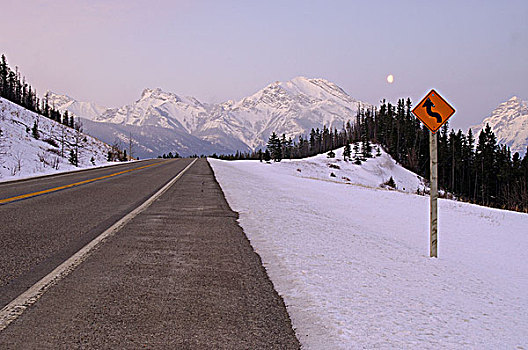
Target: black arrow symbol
column 427, row 105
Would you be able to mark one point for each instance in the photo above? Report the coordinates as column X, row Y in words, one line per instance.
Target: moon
column 390, row 78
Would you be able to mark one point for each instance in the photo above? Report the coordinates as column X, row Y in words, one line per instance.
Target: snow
column 23, row 156
column 352, row 261
column 88, row 110
column 509, row 122
column 371, row 173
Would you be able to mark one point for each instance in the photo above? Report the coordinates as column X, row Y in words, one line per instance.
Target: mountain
column 159, row 122
column 509, row 122
column 22, row 155
column 292, row 108
column 162, row 121
column 88, row 110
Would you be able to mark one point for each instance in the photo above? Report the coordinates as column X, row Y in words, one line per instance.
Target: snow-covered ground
column 371, row 173
column 21, row 155
column 352, row 261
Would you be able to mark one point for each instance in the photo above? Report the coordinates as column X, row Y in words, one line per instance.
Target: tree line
column 476, row 170
column 13, row 87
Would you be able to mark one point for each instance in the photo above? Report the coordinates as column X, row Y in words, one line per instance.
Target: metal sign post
column 433, row 252
column 434, row 112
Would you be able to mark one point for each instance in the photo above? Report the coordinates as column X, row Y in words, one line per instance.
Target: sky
column 474, row 53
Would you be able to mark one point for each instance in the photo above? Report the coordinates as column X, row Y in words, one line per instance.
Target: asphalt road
column 180, row 275
column 39, row 233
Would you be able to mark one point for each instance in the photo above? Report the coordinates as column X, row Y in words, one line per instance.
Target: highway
column 179, row 274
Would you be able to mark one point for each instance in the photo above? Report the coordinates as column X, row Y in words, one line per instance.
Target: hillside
column 372, row 173
column 21, row 155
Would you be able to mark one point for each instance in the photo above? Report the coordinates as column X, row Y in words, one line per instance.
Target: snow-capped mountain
column 23, row 155
column 292, row 108
column 88, row 110
column 159, row 122
column 189, row 126
column 509, row 122
column 159, row 109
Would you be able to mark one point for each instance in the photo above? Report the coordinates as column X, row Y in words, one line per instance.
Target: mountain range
column 159, row 121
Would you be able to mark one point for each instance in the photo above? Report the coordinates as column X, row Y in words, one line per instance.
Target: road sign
column 433, row 111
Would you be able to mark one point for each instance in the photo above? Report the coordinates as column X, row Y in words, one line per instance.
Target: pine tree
column 35, row 131
column 366, row 149
column 347, row 152
column 485, row 164
column 275, row 147
column 4, row 71
column 267, row 155
column 65, row 118
column 356, row 149
column 73, row 158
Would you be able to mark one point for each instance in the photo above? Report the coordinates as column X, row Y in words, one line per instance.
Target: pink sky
column 474, row 52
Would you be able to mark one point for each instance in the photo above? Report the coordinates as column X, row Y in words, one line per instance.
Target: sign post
column 433, row 250
column 433, row 120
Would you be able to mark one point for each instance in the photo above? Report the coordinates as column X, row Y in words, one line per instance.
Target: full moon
column 390, row 79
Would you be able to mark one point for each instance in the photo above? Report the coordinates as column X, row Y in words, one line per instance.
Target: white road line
column 17, row 307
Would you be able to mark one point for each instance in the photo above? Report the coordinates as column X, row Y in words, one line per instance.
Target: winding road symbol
column 428, row 105
column 433, row 111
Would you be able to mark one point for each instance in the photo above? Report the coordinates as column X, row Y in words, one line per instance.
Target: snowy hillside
column 292, row 108
column 21, row 155
column 372, row 173
column 352, row 262
column 509, row 122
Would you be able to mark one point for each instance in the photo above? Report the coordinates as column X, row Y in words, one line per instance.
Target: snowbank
column 352, row 264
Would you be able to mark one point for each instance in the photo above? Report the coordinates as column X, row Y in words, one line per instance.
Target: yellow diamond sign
column 433, row 111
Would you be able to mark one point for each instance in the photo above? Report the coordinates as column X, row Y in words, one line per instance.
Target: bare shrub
column 17, row 167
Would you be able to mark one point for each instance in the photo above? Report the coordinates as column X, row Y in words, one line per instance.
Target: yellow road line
column 38, row 193
column 24, row 301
